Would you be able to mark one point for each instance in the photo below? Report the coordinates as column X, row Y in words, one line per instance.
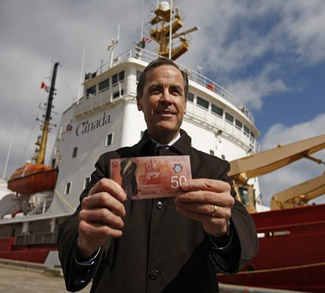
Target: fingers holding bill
column 203, row 209
column 206, row 184
column 109, row 186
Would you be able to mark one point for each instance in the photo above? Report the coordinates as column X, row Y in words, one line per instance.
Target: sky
column 269, row 54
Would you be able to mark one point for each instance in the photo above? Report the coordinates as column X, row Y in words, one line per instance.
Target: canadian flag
column 44, row 86
column 146, row 40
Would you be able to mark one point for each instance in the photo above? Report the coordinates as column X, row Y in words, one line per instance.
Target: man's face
column 163, row 102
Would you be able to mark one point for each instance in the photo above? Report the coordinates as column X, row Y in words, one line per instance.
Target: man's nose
column 166, row 97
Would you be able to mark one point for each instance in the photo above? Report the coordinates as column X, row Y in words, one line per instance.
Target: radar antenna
column 167, row 21
column 112, row 46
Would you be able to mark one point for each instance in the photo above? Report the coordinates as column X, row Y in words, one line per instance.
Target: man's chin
column 164, row 131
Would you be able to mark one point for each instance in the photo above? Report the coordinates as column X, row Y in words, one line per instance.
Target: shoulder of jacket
column 128, row 151
column 206, row 157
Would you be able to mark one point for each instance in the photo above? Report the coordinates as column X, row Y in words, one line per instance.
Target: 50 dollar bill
column 151, row 177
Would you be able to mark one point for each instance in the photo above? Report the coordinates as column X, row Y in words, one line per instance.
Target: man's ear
column 139, row 104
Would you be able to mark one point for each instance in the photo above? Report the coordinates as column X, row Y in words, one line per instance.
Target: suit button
column 159, row 204
column 154, row 275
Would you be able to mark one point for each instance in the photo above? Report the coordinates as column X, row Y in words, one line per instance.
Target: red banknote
column 151, row 177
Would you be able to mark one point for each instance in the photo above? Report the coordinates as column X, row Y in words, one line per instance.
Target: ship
column 106, row 117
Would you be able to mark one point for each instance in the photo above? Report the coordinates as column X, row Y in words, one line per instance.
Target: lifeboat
column 33, row 178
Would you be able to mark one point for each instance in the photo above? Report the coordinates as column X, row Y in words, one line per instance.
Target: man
column 165, row 244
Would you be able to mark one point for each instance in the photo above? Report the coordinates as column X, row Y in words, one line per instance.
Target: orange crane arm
column 299, row 194
column 265, row 162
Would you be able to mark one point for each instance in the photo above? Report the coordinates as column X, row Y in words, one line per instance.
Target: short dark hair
column 156, row 63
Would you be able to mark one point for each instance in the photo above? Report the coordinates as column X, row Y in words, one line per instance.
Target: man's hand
column 100, row 217
column 207, row 201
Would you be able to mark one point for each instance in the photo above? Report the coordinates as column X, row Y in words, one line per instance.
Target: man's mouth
column 166, row 112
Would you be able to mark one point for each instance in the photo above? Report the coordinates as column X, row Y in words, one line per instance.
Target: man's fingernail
column 185, row 184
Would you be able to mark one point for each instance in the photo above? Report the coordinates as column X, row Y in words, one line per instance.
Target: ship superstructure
column 107, row 118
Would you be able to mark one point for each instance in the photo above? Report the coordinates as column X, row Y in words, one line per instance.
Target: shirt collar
column 182, row 143
column 170, row 143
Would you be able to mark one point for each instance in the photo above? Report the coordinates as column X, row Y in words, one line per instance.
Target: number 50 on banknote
column 151, row 177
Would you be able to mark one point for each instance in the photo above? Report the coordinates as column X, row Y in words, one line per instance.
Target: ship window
column 117, row 94
column 246, row 130
column 53, row 162
column 86, row 182
column 67, row 189
column 74, row 152
column 217, row 110
column 202, row 102
column 141, row 134
column 190, row 97
column 104, row 85
column 212, row 152
column 118, row 77
column 223, row 157
column 239, row 125
column 109, row 139
column 138, row 75
column 114, row 79
column 229, row 118
column 244, row 196
column 121, row 76
column 91, row 92
column 252, row 138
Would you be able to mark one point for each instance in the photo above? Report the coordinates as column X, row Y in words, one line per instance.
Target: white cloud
column 280, row 133
column 253, row 90
column 304, row 21
column 298, row 29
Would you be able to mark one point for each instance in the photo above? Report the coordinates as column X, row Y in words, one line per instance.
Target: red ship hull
column 32, row 178
column 291, row 254
column 28, row 253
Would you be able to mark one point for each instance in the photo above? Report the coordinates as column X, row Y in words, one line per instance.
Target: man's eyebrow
column 154, row 85
column 159, row 86
column 175, row 86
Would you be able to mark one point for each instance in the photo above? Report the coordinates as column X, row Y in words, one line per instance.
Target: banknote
column 151, row 177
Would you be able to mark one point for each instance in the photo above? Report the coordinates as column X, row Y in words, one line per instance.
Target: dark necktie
column 162, row 149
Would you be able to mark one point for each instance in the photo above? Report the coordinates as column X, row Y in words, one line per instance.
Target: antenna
column 141, row 37
column 170, row 30
column 167, row 21
column 10, row 145
column 112, row 46
column 81, row 74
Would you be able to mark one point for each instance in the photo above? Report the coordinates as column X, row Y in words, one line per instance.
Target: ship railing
column 41, row 208
column 36, row 238
column 194, row 75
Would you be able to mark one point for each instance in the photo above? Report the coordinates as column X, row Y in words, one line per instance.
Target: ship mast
column 40, row 152
column 167, row 22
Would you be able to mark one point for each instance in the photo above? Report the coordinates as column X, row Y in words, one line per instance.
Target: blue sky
column 269, row 54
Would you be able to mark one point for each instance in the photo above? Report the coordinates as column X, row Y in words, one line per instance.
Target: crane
column 243, row 169
column 300, row 194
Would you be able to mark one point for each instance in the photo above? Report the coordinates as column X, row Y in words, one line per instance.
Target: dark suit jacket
column 160, row 250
